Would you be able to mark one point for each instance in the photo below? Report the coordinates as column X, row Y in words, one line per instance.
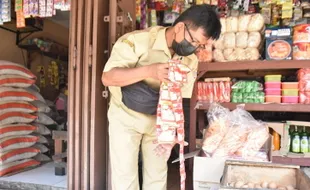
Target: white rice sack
column 16, row 117
column 36, row 94
column 16, row 94
column 16, row 130
column 9, row 68
column 254, row 39
column 17, row 166
column 242, row 39
column 229, row 40
column 42, row 107
column 17, row 106
column 243, row 23
column 17, row 142
column 42, row 158
column 41, row 147
column 41, row 138
column 15, row 81
column 42, row 129
column 232, row 24
column 44, row 119
column 17, row 154
column 257, row 23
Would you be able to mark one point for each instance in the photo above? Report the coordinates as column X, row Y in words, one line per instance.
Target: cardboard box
column 283, row 130
column 282, row 175
column 208, row 172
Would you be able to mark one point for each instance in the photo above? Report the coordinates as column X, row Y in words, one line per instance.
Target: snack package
column 247, row 86
column 235, row 135
column 303, row 74
column 304, row 97
column 219, row 123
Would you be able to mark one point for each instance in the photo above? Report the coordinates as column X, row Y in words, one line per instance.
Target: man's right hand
column 160, row 71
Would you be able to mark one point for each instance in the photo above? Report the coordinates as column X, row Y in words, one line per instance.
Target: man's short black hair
column 202, row 16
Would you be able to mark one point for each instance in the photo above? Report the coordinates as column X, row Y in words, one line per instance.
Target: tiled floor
column 43, row 175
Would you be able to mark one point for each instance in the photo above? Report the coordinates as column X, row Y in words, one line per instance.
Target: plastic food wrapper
column 243, row 22
column 235, row 135
column 232, row 24
column 219, row 124
column 257, row 23
column 219, row 44
column 214, row 90
column 218, row 55
column 247, row 86
column 223, row 23
column 254, row 40
column 304, row 97
column 248, row 97
column 229, row 40
column 242, row 39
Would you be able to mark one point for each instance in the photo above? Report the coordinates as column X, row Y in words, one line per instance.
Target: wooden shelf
column 262, row 107
column 253, row 65
column 53, row 55
column 292, row 161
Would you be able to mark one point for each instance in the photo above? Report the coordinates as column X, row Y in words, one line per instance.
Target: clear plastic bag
column 247, row 86
column 235, row 135
column 219, row 124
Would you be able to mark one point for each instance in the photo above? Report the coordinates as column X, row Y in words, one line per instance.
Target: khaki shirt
column 145, row 47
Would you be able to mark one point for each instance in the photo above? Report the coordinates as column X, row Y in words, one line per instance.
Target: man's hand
column 160, row 71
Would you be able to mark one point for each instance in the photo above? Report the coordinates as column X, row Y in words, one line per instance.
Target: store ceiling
column 62, row 18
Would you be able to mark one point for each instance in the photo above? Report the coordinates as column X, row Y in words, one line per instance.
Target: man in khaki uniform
column 143, row 56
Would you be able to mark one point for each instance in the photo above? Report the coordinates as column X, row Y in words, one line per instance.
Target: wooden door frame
column 87, row 109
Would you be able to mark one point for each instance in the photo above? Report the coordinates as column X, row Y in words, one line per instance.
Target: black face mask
column 184, row 48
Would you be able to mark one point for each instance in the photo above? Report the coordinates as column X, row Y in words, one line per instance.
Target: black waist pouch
column 140, row 98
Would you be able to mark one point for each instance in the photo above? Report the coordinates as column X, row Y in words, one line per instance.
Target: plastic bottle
column 276, row 140
column 304, row 143
column 296, row 141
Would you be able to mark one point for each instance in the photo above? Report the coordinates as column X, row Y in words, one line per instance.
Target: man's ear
column 179, row 27
column 179, row 31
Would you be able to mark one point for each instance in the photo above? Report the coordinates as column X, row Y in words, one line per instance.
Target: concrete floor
column 40, row 178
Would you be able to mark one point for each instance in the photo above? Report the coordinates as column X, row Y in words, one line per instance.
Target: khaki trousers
column 127, row 131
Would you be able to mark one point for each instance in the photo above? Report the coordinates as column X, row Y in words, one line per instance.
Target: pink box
column 273, row 91
column 290, row 99
column 276, row 85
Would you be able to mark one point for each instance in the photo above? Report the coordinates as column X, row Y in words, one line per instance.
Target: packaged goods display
column 304, row 86
column 23, row 119
column 235, row 134
column 247, row 92
column 240, row 38
column 214, row 90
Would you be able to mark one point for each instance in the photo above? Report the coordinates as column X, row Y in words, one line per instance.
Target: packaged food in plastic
column 229, row 40
column 232, row 24
column 304, row 85
column 219, row 44
column 236, row 136
column 218, row 55
column 227, row 53
column 209, row 92
column 236, row 97
column 251, row 54
column 304, row 97
column 199, row 91
column 223, row 23
column 256, row 23
column 239, row 52
column 247, row 86
column 242, row 39
column 303, row 74
column 256, row 138
column 219, row 124
column 254, row 39
column 243, row 22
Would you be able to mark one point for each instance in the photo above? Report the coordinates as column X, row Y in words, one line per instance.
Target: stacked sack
column 240, row 38
column 22, row 120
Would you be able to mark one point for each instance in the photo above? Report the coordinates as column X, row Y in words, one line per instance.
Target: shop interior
column 36, row 36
